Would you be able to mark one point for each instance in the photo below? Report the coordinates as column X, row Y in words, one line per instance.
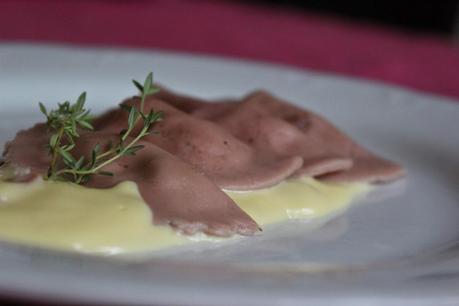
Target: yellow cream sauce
column 116, row 221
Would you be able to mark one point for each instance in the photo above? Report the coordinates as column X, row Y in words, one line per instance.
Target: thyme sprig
column 65, row 122
column 68, row 118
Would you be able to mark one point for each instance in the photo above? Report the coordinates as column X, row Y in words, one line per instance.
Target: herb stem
column 55, row 154
column 105, row 163
column 108, row 153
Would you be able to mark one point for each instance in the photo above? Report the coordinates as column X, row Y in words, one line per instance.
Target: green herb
column 64, row 122
column 68, row 118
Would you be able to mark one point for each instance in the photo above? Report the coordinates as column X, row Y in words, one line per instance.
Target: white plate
column 399, row 248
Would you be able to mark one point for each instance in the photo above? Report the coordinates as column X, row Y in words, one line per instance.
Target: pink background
column 234, row 29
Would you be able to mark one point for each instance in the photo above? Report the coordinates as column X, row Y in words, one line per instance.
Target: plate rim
column 440, row 99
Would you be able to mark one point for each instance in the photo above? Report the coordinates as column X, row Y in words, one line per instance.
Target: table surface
column 293, row 37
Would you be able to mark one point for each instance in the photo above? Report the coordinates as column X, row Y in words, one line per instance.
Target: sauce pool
column 113, row 221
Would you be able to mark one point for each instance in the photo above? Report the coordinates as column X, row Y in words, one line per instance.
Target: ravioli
column 203, row 147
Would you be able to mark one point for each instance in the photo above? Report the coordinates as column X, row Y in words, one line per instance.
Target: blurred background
column 439, row 17
column 407, row 43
